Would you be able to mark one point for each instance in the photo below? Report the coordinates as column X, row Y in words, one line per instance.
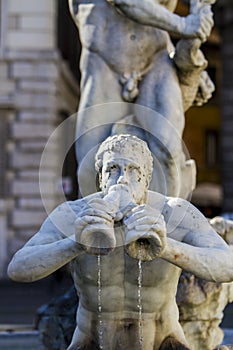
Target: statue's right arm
column 50, row 248
column 152, row 13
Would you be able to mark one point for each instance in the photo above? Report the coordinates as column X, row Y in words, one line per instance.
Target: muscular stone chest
column 118, row 269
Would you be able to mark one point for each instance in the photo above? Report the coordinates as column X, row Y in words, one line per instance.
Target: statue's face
column 118, row 169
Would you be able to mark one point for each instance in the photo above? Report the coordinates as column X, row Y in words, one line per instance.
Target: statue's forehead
column 115, row 157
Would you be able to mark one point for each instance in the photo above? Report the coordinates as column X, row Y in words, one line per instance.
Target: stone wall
column 36, row 87
column 31, row 24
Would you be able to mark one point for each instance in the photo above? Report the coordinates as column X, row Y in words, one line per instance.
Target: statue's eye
column 134, row 170
column 113, row 167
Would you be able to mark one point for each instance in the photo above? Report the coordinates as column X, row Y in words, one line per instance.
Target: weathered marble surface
column 180, row 236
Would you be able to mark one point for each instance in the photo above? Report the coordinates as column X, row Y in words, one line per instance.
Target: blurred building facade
column 37, row 92
column 209, row 130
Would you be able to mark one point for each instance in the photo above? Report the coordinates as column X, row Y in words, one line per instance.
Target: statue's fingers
column 97, row 213
column 143, row 221
column 89, row 220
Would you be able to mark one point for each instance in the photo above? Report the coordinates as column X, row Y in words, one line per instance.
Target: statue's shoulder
column 66, row 213
column 177, row 202
column 156, row 200
column 168, row 205
column 178, row 207
column 78, row 204
column 81, row 202
column 179, row 213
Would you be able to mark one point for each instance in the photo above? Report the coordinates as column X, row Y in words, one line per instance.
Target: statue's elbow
column 230, row 276
column 13, row 273
column 228, row 267
column 17, row 274
column 226, row 275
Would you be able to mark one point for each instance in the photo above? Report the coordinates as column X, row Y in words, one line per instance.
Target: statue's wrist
column 181, row 26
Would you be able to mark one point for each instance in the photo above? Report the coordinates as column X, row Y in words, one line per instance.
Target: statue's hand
column 146, row 233
column 221, row 225
column 95, row 227
column 205, row 89
column 94, row 215
column 199, row 24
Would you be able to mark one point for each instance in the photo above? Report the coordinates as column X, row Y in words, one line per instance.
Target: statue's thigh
column 100, row 83
column 160, row 91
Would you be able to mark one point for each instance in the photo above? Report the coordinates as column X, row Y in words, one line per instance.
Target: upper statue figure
column 127, row 55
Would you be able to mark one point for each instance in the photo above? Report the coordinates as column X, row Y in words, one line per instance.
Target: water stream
column 100, row 320
column 99, row 285
column 140, row 300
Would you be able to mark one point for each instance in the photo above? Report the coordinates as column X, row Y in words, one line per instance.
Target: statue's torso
column 120, row 299
column 119, row 280
column 119, row 272
column 119, row 291
column 122, row 43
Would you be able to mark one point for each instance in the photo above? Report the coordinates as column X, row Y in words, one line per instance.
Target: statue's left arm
column 182, row 236
column 201, row 251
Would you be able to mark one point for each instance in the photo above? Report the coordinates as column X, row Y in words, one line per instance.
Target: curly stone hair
column 128, row 146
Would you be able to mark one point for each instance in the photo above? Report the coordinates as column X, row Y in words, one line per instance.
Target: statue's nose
column 123, row 178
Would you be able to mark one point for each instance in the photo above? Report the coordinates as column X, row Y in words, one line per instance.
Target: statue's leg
column 100, row 87
column 81, row 341
column 171, row 343
column 100, row 107
column 160, row 91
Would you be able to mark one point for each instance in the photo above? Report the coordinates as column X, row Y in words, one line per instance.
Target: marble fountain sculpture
column 126, row 246
column 128, row 241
